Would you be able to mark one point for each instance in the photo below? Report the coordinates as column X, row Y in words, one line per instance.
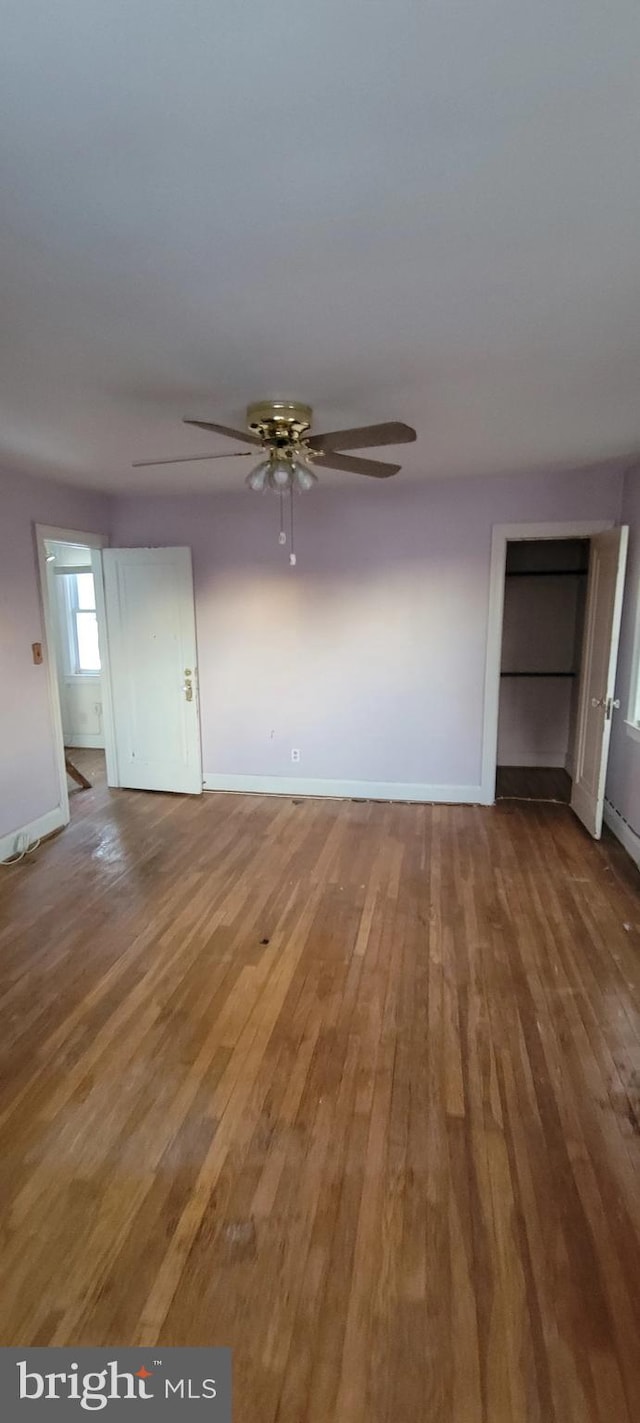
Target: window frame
column 72, row 611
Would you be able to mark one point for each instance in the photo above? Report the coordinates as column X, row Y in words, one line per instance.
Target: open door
column 598, row 674
column 152, row 657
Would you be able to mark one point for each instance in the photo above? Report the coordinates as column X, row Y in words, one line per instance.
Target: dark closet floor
column 533, row 783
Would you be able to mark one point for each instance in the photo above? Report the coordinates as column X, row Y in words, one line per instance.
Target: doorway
column 77, row 664
column 120, row 634
column 594, row 702
column 542, row 634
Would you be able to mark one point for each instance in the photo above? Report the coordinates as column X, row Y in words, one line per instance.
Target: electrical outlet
column 295, row 754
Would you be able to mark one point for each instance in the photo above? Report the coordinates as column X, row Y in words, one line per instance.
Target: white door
column 152, row 655
column 598, row 675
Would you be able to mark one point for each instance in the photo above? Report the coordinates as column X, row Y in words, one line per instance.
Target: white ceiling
column 425, row 211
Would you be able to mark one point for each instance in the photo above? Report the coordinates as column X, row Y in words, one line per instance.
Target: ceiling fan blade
column 392, row 432
column 244, row 435
column 375, row 468
column 189, row 459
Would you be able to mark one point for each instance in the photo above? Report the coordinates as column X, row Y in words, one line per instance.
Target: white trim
column 344, row 790
column 632, row 729
column 72, row 612
column 63, row 570
column 72, row 536
column 553, row 760
column 35, row 830
column 502, row 534
column 622, row 831
column 86, row 540
column 94, row 739
column 112, row 768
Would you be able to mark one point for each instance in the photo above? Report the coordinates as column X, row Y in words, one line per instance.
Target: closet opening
column 542, row 634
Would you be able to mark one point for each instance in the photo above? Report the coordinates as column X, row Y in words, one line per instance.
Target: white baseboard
column 555, row 760
column 35, row 830
column 85, row 738
column 346, row 790
column 622, row 831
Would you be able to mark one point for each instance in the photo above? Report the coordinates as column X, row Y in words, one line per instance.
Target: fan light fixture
column 288, row 469
column 281, row 473
column 281, row 429
column 285, row 474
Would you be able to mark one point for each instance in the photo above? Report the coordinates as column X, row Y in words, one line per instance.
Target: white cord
column 292, row 557
column 26, row 850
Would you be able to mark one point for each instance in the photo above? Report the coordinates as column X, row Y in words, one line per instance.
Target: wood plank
column 353, row 1088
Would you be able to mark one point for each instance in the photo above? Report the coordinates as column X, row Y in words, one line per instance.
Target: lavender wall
column 623, row 782
column 369, row 656
column 28, row 782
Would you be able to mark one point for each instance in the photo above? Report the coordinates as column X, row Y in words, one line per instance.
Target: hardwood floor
column 90, row 761
column 353, row 1088
column 533, row 783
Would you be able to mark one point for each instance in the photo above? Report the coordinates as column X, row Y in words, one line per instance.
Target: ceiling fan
column 281, row 429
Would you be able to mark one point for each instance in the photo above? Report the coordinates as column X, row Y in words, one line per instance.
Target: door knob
column 611, row 704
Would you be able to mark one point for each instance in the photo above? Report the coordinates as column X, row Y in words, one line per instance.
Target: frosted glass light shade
column 257, row 478
column 304, row 476
column 280, row 473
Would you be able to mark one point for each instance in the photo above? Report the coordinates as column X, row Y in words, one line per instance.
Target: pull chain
column 282, row 537
column 292, row 556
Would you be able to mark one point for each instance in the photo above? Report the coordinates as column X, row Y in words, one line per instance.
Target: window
column 84, row 652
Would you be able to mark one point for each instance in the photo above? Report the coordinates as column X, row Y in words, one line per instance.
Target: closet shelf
column 546, row 573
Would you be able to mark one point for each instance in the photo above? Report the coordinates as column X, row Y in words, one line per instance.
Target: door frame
column 501, row 535
column 95, row 542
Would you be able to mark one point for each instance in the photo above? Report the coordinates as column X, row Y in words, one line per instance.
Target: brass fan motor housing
column 279, row 422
